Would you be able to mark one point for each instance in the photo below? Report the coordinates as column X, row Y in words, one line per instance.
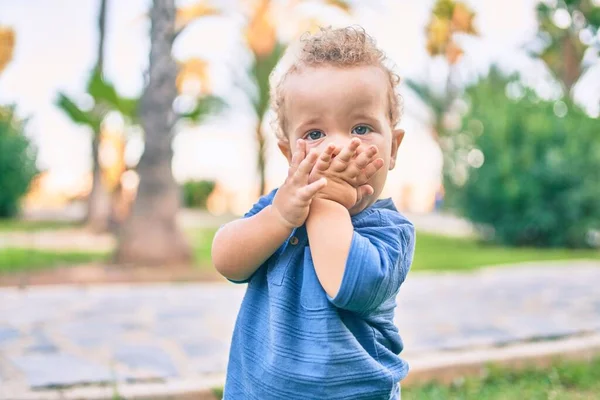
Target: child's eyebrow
column 363, row 115
column 308, row 122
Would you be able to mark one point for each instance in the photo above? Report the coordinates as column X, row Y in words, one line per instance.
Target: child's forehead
column 362, row 85
column 340, row 95
column 326, row 71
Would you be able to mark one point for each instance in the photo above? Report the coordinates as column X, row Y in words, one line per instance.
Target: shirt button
column 293, row 240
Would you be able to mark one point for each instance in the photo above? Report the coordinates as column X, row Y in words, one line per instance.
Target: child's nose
column 340, row 143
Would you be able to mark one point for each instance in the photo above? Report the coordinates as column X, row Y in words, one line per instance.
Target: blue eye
column 362, row 130
column 314, row 135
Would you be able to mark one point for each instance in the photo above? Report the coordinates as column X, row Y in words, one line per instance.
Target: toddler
column 323, row 258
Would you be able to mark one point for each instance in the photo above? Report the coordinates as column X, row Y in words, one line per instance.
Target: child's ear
column 284, row 146
column 397, row 136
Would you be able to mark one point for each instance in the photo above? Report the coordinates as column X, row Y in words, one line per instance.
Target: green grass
column 564, row 380
column 13, row 259
column 433, row 253
column 568, row 380
column 218, row 392
column 201, row 240
column 17, row 225
column 440, row 253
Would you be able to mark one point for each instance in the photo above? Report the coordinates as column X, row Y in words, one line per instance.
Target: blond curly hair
column 342, row 47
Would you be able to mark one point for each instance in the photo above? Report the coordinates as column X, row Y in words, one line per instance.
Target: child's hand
column 293, row 198
column 347, row 173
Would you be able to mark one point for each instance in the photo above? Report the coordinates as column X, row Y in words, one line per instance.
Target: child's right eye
column 314, row 135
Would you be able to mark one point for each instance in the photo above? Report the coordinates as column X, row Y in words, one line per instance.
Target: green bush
column 17, row 162
column 527, row 168
column 195, row 193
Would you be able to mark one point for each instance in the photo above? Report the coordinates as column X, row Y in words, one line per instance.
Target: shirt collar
column 382, row 203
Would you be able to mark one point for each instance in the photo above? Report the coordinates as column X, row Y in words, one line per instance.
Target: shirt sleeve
column 378, row 262
column 263, row 202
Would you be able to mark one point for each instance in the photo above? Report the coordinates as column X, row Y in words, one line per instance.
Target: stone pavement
column 70, row 336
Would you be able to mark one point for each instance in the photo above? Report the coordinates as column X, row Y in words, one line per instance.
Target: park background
column 112, row 186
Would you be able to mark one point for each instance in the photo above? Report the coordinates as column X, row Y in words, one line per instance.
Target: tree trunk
column 260, row 140
column 150, row 236
column 99, row 202
column 102, row 36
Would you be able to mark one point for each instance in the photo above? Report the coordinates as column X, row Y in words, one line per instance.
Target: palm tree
column 105, row 99
column 449, row 18
column 150, row 235
column 566, row 29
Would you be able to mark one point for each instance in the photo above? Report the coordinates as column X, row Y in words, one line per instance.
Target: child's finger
column 306, row 166
column 365, row 190
column 362, row 191
column 369, row 171
column 302, row 146
column 297, row 157
column 309, row 191
column 366, row 157
column 356, row 166
column 341, row 161
column 325, row 158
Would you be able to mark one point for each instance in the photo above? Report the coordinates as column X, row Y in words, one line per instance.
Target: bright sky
column 55, row 50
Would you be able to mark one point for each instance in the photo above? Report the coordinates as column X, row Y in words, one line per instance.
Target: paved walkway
column 62, row 336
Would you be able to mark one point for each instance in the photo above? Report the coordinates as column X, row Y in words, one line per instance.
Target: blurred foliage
column 195, row 193
column 526, row 167
column 105, row 99
column 186, row 14
column 17, row 162
column 563, row 379
column 448, row 18
column 204, row 107
column 566, row 31
column 7, row 45
column 260, row 71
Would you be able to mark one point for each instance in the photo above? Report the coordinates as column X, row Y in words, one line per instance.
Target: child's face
column 333, row 105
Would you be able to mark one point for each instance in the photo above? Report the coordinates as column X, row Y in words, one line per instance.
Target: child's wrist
column 326, row 203
column 343, row 199
column 281, row 220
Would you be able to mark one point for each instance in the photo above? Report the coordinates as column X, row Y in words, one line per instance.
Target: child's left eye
column 362, row 130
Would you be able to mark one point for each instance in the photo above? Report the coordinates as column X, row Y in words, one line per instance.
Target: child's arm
column 330, row 232
column 328, row 225
column 242, row 246
column 359, row 269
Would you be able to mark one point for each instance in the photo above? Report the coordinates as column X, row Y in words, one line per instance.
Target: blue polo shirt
column 293, row 341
